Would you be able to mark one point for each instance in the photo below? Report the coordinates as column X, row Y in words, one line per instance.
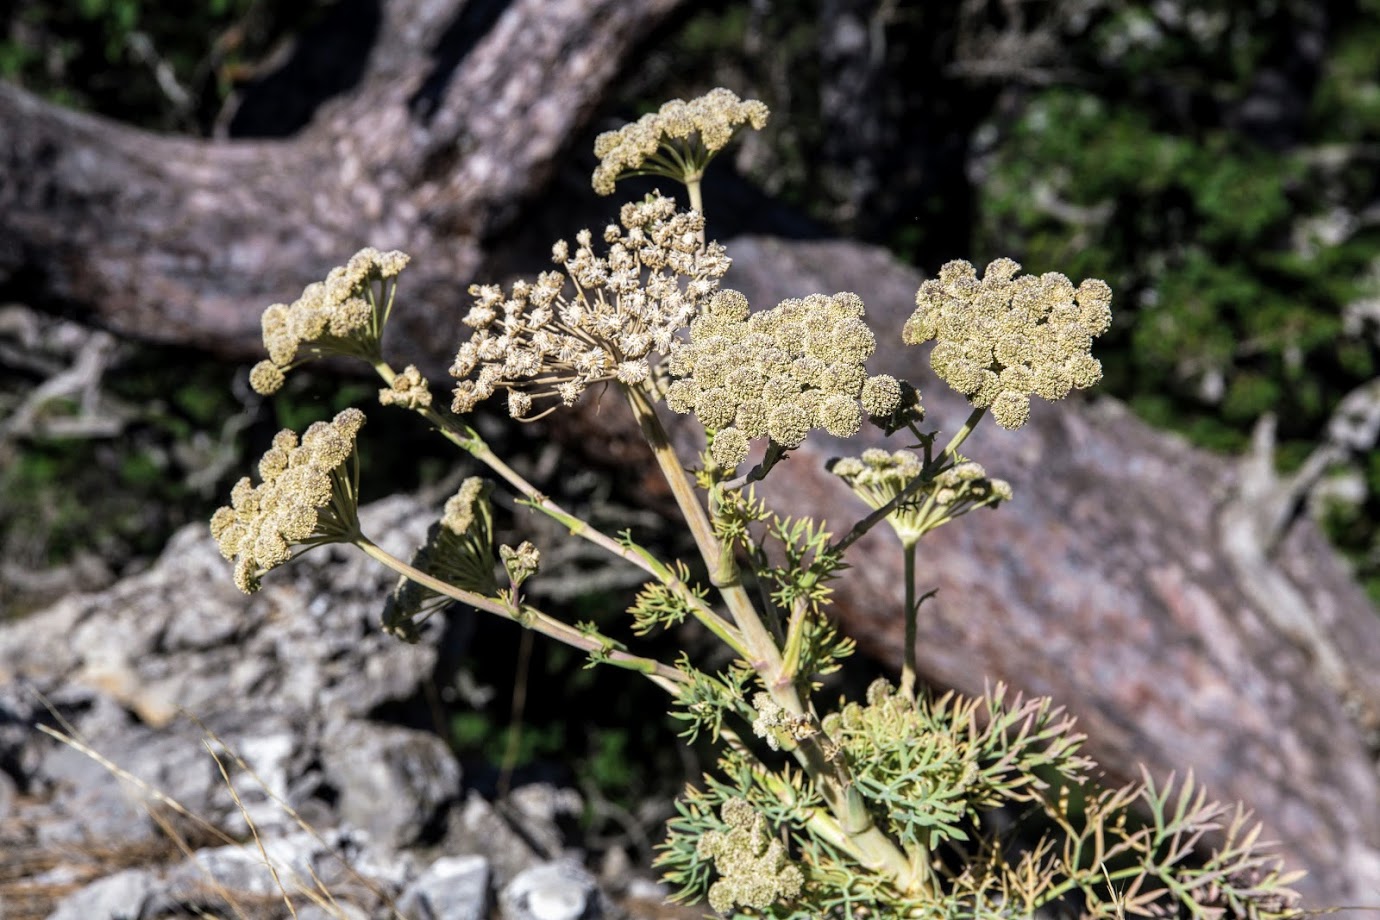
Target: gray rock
column 270, row 677
column 538, row 809
column 336, row 911
column 451, row 888
column 179, row 636
column 392, row 782
column 478, row 829
column 284, row 687
column 8, row 793
column 344, row 864
column 20, row 710
column 122, row 896
column 560, row 890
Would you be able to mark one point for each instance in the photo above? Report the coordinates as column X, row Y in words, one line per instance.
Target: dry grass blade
column 159, row 804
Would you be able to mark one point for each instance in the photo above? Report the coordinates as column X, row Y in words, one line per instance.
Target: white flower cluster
column 300, row 480
column 692, row 132
column 409, row 390
column 598, row 320
column 877, row 477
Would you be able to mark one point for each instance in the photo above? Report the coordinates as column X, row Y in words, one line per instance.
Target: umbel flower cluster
column 778, row 373
column 1001, row 340
column 343, row 315
column 677, row 141
column 598, row 320
column 305, row 498
column 754, row 867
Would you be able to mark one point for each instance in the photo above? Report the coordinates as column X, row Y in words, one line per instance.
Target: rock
column 283, row 686
column 391, row 782
column 539, row 810
column 478, row 829
column 121, row 896
column 343, row 863
column 451, row 888
column 285, row 689
column 560, row 890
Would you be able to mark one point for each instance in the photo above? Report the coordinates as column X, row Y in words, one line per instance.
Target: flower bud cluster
column 304, row 499
column 409, row 390
column 598, row 320
column 778, row 373
column 754, row 867
column 775, row 725
column 343, row 315
column 877, row 477
column 694, row 130
column 1004, row 338
column 458, row 550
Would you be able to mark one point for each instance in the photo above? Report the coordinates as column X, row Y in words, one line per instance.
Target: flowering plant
column 882, row 807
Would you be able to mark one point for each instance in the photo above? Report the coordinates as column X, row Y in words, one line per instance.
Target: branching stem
column 470, row 441
column 831, row 776
column 664, row 676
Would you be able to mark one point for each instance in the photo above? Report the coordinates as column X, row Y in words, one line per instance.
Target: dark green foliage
column 1234, row 248
column 169, row 66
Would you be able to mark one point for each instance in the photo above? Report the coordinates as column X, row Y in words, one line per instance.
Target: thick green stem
column 759, row 645
column 692, row 185
column 831, row 775
column 962, row 434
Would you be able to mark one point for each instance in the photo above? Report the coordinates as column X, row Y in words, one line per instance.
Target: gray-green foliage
column 898, row 805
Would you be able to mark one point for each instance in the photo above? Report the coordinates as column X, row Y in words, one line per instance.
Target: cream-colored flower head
column 343, row 315
column 1004, row 338
column 306, row 498
column 598, row 320
column 677, row 141
column 778, row 373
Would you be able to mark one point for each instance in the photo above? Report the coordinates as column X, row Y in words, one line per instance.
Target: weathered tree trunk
column 1127, row 579
column 181, row 241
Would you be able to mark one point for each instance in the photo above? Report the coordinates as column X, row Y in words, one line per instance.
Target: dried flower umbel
column 881, row 807
column 307, row 497
column 596, row 321
column 343, row 315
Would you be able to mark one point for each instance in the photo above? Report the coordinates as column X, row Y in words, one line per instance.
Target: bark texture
column 181, row 240
column 1130, row 579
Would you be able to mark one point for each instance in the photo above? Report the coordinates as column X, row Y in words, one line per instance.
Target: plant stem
column 831, row 775
column 912, row 609
column 962, row 434
column 663, row 675
column 760, row 647
column 469, row 440
column 880, row 514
